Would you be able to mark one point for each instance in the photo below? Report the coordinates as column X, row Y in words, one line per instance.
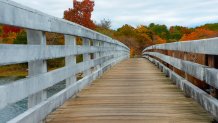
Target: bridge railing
column 106, row 52
column 193, row 66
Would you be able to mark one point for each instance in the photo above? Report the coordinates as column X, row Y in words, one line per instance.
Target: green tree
column 160, row 30
column 21, row 38
column 213, row 26
column 176, row 33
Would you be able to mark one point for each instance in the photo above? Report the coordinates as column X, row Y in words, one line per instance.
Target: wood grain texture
column 133, row 91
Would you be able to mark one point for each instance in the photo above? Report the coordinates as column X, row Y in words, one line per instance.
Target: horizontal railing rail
column 193, row 66
column 106, row 52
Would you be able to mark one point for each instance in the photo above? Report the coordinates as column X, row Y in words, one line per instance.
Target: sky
column 189, row 13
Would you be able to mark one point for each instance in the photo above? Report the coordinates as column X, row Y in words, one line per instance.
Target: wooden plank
column 133, row 91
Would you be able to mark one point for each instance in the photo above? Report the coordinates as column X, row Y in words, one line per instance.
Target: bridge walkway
column 133, row 91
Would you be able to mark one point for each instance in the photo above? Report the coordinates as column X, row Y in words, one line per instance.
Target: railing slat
column 27, row 53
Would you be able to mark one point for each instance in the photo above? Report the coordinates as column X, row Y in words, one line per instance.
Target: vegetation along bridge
column 131, row 91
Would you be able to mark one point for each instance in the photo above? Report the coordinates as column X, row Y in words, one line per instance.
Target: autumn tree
column 159, row 40
column 199, row 33
column 1, row 31
column 10, row 29
column 144, row 36
column 176, row 32
column 81, row 13
column 126, row 30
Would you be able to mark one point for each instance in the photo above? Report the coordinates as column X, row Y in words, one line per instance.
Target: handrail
column 106, row 52
column 198, row 80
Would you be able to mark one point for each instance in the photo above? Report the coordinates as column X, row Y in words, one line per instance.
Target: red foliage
column 10, row 29
column 199, row 33
column 81, row 13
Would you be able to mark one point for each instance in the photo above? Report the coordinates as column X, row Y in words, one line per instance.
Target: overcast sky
column 135, row 12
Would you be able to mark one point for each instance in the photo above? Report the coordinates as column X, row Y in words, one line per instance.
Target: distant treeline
column 142, row 36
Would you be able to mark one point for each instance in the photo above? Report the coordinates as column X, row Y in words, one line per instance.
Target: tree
column 106, row 24
column 159, row 40
column 10, row 29
column 199, row 33
column 21, row 38
column 1, row 31
column 126, row 30
column 160, row 30
column 213, row 26
column 176, row 32
column 144, row 36
column 81, row 13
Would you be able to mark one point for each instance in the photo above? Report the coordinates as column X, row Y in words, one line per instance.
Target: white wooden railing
column 193, row 66
column 107, row 52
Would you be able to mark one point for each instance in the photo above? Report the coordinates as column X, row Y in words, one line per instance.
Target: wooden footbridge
column 114, row 88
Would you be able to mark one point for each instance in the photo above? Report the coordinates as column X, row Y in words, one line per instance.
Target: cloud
column 135, row 12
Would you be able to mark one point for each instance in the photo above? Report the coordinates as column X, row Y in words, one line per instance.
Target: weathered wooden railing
column 107, row 52
column 192, row 66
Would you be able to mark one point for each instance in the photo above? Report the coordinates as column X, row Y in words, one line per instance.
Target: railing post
column 185, row 58
column 70, row 60
column 96, row 54
column 86, row 57
column 36, row 67
column 211, row 63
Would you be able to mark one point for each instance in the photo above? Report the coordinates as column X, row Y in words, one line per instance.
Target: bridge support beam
column 36, row 67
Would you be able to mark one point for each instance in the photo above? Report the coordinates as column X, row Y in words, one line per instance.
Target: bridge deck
column 133, row 91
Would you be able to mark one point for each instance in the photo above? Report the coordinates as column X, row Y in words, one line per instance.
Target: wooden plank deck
column 134, row 91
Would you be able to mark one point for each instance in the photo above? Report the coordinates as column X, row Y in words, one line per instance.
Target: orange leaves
column 159, row 40
column 81, row 13
column 132, row 52
column 199, row 33
column 8, row 34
